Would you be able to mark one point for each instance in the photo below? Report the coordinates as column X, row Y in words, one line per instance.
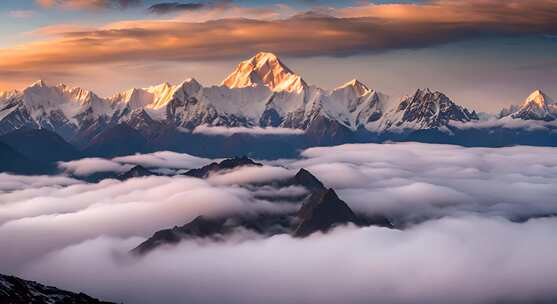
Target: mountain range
column 262, row 92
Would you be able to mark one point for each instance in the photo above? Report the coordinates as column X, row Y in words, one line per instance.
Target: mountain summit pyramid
column 265, row 69
column 538, row 106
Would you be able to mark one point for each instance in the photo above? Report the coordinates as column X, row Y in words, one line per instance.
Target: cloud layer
column 463, row 260
column 157, row 160
column 419, row 181
column 478, row 228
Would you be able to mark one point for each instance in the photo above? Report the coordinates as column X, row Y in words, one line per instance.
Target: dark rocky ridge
column 227, row 164
column 321, row 210
column 14, row 290
column 215, row 229
column 137, row 171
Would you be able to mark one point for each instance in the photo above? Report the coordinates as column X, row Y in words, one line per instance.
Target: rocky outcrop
column 227, row 164
column 14, row 290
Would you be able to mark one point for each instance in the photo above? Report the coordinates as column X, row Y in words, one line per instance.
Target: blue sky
column 483, row 54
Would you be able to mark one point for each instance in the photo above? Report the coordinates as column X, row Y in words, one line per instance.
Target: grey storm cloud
column 171, row 7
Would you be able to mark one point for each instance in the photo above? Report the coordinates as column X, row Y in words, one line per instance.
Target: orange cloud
column 504, row 12
column 366, row 28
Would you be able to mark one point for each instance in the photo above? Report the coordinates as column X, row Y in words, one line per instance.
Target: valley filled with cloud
column 470, row 225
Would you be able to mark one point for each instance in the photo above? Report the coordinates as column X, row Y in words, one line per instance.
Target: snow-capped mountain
column 538, row 106
column 261, row 92
column 265, row 69
column 155, row 97
column 426, row 109
column 59, row 108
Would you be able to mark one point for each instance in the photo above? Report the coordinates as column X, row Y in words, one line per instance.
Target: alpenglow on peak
column 539, row 98
column 265, row 69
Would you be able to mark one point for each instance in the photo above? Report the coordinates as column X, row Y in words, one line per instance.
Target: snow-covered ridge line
column 261, row 92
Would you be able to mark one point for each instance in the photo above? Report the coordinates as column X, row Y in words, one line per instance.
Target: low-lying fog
column 478, row 228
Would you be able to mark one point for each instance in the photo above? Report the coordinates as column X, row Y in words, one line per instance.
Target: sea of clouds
column 476, row 226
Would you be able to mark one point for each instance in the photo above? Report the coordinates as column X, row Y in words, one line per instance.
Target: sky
column 484, row 54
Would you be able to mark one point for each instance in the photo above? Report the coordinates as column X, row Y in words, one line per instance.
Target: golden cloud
column 352, row 30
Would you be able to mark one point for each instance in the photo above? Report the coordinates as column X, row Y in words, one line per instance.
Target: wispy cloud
column 21, row 14
column 159, row 160
column 87, row 4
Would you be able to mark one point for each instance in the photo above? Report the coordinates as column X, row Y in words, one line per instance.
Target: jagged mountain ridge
column 261, row 92
column 425, row 110
column 14, row 290
column 319, row 210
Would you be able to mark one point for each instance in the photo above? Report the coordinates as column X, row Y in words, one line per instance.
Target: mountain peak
column 39, row 83
column 538, row 106
column 428, row 109
column 538, row 98
column 261, row 56
column 191, row 81
column 265, row 69
column 321, row 211
column 356, row 85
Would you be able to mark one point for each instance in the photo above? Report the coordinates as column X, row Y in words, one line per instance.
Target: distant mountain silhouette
column 15, row 162
column 137, row 171
column 41, row 145
column 227, row 164
column 118, row 140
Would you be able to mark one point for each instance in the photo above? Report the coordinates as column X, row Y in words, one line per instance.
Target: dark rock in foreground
column 14, row 290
